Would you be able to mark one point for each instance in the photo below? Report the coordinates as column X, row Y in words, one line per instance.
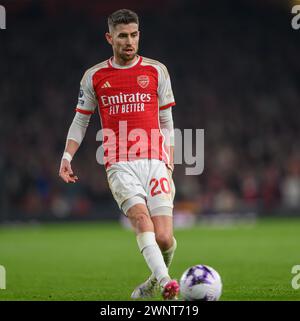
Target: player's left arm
column 167, row 126
column 166, row 101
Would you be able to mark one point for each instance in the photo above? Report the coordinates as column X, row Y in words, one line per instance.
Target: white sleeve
column 78, row 127
column 165, row 93
column 167, row 126
column 87, row 101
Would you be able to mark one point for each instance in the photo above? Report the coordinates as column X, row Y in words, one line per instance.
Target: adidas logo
column 106, row 85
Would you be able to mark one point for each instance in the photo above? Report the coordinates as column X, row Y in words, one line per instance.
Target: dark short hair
column 122, row 16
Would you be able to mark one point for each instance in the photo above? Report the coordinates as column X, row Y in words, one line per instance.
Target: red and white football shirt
column 128, row 99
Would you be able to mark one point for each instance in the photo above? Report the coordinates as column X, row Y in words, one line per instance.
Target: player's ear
column 108, row 37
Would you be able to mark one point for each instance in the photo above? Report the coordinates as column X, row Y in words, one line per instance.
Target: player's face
column 124, row 39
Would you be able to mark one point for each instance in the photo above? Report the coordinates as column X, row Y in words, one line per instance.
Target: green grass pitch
column 100, row 261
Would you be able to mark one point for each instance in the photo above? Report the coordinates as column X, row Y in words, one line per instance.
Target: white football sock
column 168, row 256
column 152, row 254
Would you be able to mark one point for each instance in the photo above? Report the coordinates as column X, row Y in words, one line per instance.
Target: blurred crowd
column 235, row 74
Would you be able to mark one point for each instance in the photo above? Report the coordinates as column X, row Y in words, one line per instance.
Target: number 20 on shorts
column 159, row 186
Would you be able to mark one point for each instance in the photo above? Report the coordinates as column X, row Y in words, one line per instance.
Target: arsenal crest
column 143, row 81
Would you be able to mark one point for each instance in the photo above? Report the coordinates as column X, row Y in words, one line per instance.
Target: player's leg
column 130, row 196
column 141, row 222
column 163, row 228
column 160, row 196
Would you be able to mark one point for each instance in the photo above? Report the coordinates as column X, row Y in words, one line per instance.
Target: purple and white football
column 200, row 283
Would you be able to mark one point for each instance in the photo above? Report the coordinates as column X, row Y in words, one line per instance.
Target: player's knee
column 139, row 217
column 164, row 241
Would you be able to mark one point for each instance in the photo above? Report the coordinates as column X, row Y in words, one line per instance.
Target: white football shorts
column 145, row 181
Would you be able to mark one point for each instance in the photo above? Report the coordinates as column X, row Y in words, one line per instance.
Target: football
column 200, row 283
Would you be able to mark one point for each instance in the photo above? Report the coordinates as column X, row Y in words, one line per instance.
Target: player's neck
column 124, row 63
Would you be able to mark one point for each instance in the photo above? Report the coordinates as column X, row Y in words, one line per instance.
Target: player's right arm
column 65, row 170
column 75, row 136
column 87, row 104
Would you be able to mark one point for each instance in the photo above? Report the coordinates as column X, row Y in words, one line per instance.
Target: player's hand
column 66, row 173
column 170, row 170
